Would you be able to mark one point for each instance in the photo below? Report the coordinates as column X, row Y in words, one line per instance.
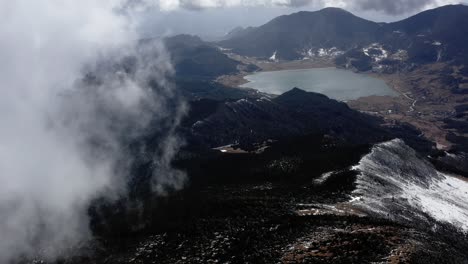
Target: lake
column 335, row 83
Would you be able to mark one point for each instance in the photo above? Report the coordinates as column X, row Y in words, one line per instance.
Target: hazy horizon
column 214, row 22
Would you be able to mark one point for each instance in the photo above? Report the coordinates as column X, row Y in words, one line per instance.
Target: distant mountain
column 194, row 58
column 292, row 36
column 237, row 32
column 440, row 34
column 437, row 34
column 197, row 63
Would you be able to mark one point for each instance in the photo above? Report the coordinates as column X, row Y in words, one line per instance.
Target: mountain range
column 433, row 35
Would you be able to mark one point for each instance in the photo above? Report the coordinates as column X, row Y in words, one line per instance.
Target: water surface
column 335, row 83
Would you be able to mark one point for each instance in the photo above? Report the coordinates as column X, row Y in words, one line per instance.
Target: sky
column 212, row 19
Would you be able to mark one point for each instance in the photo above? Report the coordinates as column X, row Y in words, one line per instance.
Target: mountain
column 296, row 197
column 194, row 58
column 435, row 35
column 296, row 113
column 237, row 32
column 197, row 63
column 394, row 179
column 292, row 36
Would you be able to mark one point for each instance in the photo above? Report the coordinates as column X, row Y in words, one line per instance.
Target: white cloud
column 391, row 7
column 60, row 142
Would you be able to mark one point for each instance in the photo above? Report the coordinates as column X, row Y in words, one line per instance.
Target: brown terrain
column 424, row 101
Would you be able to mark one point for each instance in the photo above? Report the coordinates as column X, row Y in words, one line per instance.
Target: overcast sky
column 214, row 18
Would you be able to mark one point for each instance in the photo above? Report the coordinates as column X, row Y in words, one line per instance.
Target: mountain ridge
column 295, row 30
column 307, row 34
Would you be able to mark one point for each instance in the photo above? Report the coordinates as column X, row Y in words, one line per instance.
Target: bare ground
column 424, row 102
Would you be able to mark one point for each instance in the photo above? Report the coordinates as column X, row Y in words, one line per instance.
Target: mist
column 392, row 7
column 64, row 133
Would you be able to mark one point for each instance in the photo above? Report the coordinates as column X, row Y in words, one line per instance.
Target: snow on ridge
column 445, row 200
column 323, row 178
column 224, row 49
column 321, row 52
column 376, row 48
column 273, row 57
column 394, row 182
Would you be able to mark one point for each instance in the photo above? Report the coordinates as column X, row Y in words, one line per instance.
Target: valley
column 425, row 100
column 425, row 66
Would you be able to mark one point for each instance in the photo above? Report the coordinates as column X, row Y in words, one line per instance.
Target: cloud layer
column 397, row 7
column 389, row 7
column 64, row 139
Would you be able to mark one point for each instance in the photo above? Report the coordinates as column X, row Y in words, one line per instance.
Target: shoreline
column 237, row 80
column 406, row 110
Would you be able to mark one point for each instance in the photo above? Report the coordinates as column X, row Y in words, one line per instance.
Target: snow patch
column 273, row 57
column 394, row 182
column 376, row 52
column 198, row 123
column 224, row 49
column 439, row 55
column 445, row 200
column 321, row 53
column 323, row 178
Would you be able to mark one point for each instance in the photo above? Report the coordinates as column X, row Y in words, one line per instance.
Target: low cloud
column 396, row 7
column 68, row 115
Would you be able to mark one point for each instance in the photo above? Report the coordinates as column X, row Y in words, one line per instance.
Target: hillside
column 194, row 58
column 437, row 34
column 440, row 34
column 296, row 35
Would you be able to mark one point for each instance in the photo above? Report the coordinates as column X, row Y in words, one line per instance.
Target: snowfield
column 445, row 200
column 395, row 183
